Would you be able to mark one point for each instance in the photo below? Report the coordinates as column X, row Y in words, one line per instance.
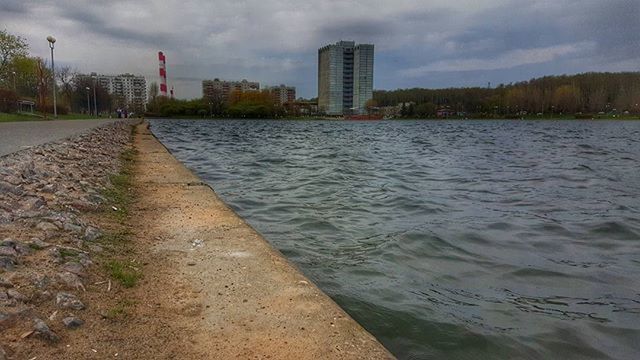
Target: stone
column 5, row 300
column 32, row 203
column 91, row 234
column 46, row 226
column 41, row 281
column 49, row 188
column 4, row 283
column 75, row 268
column 7, row 262
column 8, row 251
column 68, row 301
column 6, row 187
column 8, row 242
column 38, row 244
column 72, row 281
column 72, row 322
column 22, row 249
column 42, row 331
column 15, row 294
column 72, row 227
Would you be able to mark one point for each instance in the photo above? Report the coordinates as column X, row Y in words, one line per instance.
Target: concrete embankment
column 227, row 288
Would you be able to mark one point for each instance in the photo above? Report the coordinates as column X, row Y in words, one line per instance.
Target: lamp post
column 95, row 101
column 88, row 103
column 52, row 41
column 14, row 82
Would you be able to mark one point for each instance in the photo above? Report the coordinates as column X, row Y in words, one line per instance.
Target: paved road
column 15, row 136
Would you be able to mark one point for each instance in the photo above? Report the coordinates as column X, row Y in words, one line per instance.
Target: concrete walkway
column 223, row 281
column 15, row 136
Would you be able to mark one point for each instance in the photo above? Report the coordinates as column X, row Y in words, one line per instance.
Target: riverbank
column 219, row 281
column 112, row 248
column 56, row 207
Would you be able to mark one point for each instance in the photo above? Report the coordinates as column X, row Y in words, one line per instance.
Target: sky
column 418, row 43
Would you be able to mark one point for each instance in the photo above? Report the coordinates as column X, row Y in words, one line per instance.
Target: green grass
column 124, row 274
column 120, row 310
column 4, row 117
column 117, row 238
column 68, row 253
column 119, row 195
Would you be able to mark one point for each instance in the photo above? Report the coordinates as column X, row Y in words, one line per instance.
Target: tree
column 11, row 46
column 154, row 90
column 371, row 106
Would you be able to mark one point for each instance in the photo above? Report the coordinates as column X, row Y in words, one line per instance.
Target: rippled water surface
column 461, row 239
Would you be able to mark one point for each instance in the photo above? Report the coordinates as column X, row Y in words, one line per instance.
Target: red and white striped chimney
column 163, row 73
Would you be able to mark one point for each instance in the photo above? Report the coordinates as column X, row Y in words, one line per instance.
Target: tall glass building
column 345, row 78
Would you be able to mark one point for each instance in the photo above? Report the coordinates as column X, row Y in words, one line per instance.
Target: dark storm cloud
column 358, row 29
column 101, row 25
column 418, row 42
column 13, row 6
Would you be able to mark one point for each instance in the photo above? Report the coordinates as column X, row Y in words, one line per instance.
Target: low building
column 127, row 90
column 221, row 89
column 283, row 94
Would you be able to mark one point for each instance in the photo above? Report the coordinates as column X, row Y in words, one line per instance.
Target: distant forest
column 589, row 93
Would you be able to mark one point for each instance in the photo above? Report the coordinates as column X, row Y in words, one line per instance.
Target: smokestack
column 163, row 73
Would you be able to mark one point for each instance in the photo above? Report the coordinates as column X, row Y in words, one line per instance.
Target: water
column 456, row 239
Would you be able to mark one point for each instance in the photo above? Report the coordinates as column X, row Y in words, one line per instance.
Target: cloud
column 435, row 43
column 507, row 60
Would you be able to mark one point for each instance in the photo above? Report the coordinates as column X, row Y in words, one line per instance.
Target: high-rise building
column 345, row 78
column 283, row 94
column 216, row 88
column 127, row 90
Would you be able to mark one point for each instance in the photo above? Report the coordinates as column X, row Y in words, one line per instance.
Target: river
column 446, row 239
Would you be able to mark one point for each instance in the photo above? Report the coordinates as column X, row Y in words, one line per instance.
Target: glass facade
column 345, row 78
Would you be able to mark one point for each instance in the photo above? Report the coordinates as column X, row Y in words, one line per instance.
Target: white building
column 127, row 90
column 345, row 78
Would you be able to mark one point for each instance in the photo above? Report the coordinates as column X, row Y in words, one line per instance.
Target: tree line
column 254, row 104
column 582, row 94
column 27, row 77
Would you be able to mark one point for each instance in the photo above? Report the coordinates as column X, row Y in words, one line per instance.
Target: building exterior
column 283, row 94
column 216, row 88
column 127, row 90
column 345, row 78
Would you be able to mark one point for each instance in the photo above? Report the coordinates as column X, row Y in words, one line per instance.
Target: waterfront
column 464, row 239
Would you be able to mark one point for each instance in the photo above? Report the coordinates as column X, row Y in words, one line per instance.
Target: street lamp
column 88, row 103
column 52, row 41
column 95, row 101
column 14, row 82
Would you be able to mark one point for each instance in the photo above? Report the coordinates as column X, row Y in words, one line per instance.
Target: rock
column 68, row 301
column 42, row 330
column 3, row 354
column 32, row 203
column 8, row 251
column 7, row 263
column 38, row 244
column 4, row 283
column 73, row 228
column 72, row 281
column 5, row 300
column 14, row 294
column 22, row 249
column 6, row 187
column 72, row 322
column 91, row 234
column 96, row 199
column 41, row 281
column 49, row 188
column 75, row 268
column 8, row 242
column 46, row 226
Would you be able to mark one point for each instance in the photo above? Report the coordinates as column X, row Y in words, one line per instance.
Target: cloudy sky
column 419, row 43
